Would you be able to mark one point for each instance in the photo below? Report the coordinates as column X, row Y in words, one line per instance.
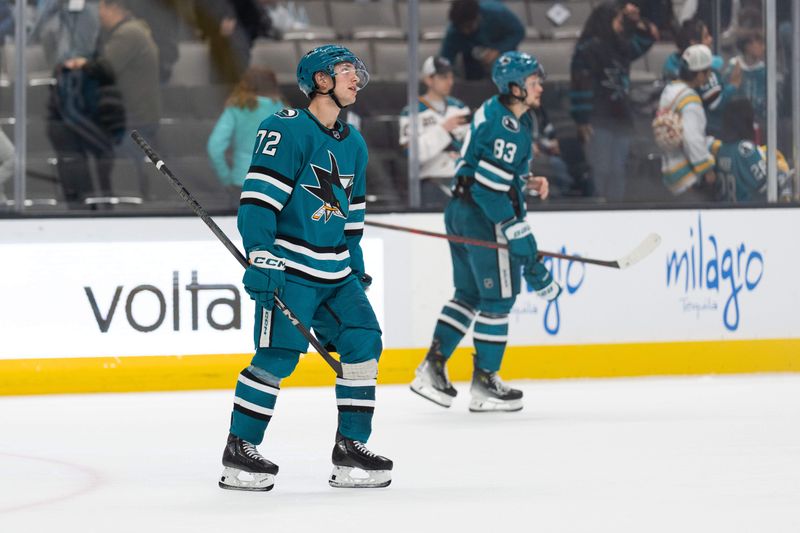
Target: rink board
column 156, row 303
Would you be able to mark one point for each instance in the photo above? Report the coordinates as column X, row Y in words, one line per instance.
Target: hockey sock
column 253, row 404
column 355, row 398
column 490, row 336
column 453, row 324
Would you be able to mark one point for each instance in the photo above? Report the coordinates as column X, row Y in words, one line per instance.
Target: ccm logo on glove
column 263, row 259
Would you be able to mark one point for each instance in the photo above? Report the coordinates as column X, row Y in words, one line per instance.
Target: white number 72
column 273, row 138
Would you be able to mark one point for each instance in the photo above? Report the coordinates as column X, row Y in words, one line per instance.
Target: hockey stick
column 199, row 211
column 644, row 248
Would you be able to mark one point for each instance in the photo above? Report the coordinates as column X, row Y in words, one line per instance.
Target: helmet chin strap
column 333, row 95
column 520, row 98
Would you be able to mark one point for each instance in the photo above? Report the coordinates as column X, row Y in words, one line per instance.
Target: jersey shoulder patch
column 510, row 123
column 287, row 113
column 746, row 148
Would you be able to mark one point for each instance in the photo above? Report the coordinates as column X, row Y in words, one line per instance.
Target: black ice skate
column 432, row 382
column 354, row 466
column 489, row 393
column 245, row 468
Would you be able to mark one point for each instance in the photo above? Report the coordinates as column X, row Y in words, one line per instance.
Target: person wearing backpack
column 680, row 128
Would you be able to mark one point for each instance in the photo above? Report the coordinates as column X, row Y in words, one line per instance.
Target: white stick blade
column 645, row 248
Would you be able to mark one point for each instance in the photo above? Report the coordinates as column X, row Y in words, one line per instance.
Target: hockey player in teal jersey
column 741, row 165
column 301, row 217
column 489, row 204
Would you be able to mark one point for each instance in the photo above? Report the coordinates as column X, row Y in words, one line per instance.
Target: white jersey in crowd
column 683, row 167
column 438, row 149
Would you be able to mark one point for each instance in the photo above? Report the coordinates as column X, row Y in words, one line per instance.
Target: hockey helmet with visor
column 329, row 59
column 514, row 68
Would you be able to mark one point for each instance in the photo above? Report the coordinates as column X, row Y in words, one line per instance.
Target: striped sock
column 453, row 324
column 355, row 399
column 253, row 405
column 490, row 336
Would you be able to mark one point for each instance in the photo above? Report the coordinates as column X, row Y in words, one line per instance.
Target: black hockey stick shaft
column 490, row 244
column 205, row 217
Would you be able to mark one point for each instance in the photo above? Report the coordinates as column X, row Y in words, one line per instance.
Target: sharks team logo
column 333, row 190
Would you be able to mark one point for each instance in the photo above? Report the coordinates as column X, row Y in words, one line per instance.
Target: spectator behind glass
column 600, row 104
column 662, row 14
column 254, row 98
column 6, row 21
column 547, row 160
column 66, row 29
column 741, row 165
column 753, row 86
column 442, row 123
column 230, row 26
column 281, row 16
column 6, row 164
column 480, row 32
column 683, row 167
column 716, row 93
column 162, row 18
column 127, row 50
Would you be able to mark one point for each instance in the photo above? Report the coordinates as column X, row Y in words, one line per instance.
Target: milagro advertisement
column 722, row 274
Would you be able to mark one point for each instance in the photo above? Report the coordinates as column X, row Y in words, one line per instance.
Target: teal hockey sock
column 253, row 404
column 453, row 323
column 490, row 336
column 355, row 399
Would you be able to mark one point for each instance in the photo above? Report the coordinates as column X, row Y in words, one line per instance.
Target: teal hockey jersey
column 742, row 172
column 304, row 197
column 496, row 159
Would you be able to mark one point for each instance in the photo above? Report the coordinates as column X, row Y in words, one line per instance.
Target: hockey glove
column 541, row 280
column 521, row 243
column 264, row 277
column 365, row 279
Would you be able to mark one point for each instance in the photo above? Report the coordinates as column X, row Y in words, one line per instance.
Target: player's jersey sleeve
column 354, row 226
column 269, row 182
column 487, row 151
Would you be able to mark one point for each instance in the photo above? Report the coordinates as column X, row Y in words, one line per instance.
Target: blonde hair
column 256, row 81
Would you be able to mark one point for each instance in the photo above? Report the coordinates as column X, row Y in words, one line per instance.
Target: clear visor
column 356, row 70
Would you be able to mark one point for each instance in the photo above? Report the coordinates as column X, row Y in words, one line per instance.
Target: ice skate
column 489, row 393
column 245, row 468
column 354, row 466
column 432, row 382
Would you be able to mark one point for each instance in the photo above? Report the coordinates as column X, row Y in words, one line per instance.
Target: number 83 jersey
column 303, row 198
column 495, row 159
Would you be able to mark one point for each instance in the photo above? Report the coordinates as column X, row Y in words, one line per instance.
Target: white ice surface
column 642, row 455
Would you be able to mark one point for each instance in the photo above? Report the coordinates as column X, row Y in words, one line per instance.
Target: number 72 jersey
column 304, row 197
column 496, row 155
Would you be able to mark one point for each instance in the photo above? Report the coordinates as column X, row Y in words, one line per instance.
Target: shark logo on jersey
column 287, row 113
column 511, row 124
column 333, row 190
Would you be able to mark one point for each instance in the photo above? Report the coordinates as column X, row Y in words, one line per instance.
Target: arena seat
column 391, row 58
column 279, row 56
column 193, row 66
column 366, row 20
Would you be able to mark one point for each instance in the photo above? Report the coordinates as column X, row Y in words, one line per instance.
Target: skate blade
column 342, row 478
column 431, row 394
column 488, row 405
column 230, row 480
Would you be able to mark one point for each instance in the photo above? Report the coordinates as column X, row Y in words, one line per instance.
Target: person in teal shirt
column 253, row 99
column 480, row 32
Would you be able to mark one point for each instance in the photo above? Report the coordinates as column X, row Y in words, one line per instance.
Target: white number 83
column 504, row 151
